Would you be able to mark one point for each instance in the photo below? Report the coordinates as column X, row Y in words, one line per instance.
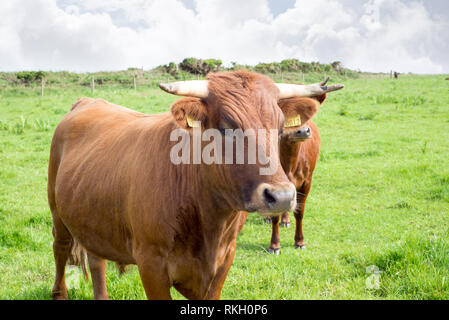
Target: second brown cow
column 299, row 152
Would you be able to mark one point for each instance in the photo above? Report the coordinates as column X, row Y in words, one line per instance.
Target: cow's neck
column 205, row 224
column 289, row 156
column 212, row 227
column 217, row 217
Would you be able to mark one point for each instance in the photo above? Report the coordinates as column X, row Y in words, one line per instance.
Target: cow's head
column 298, row 111
column 239, row 111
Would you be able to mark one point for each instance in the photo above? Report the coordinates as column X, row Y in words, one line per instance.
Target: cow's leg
column 299, row 215
column 214, row 292
column 97, row 267
column 275, row 246
column 285, row 220
column 267, row 219
column 154, row 278
column 61, row 250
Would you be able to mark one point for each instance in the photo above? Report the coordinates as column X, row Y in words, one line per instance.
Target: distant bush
column 294, row 65
column 30, row 76
column 273, row 67
column 171, row 69
column 199, row 66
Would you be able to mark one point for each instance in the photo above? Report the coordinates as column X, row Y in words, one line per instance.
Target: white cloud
column 89, row 35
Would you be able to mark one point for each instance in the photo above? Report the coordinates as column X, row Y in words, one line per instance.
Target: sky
column 99, row 35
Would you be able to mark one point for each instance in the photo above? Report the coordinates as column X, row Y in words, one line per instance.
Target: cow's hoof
column 59, row 297
column 300, row 247
column 274, row 251
column 285, row 224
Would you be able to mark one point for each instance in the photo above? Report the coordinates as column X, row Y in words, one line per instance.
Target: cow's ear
column 187, row 112
column 298, row 111
column 321, row 98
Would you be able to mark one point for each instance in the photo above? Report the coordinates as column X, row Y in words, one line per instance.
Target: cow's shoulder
column 81, row 102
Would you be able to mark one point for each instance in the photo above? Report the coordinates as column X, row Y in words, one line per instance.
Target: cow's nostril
column 269, row 197
column 273, row 199
column 304, row 133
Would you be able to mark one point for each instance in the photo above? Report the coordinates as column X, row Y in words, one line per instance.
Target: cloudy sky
column 93, row 35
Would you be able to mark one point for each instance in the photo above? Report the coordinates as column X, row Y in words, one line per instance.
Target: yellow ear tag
column 191, row 123
column 293, row 122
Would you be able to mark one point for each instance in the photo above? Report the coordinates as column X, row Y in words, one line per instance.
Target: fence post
column 42, row 86
column 93, row 84
column 135, row 84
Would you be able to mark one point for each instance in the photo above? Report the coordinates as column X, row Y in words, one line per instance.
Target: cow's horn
column 323, row 83
column 191, row 88
column 311, row 90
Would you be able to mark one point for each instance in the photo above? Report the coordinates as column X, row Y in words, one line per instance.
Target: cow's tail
column 78, row 257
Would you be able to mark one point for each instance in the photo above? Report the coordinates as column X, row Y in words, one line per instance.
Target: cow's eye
column 225, row 129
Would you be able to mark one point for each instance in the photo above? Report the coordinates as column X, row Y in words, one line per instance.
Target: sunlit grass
column 380, row 197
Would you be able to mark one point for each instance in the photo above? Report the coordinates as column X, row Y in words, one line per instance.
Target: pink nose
column 278, row 199
column 272, row 199
column 303, row 133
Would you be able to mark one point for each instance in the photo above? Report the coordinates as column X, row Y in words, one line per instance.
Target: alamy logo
column 259, row 149
column 73, row 277
column 373, row 281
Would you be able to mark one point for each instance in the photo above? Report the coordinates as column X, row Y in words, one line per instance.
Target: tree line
column 203, row 67
column 186, row 69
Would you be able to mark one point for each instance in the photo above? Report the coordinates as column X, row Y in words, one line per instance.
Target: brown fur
column 113, row 189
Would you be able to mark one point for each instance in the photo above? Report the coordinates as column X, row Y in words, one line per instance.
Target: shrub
column 198, row 66
column 30, row 76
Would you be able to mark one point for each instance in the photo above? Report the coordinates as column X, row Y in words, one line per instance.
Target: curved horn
column 191, row 88
column 323, row 83
column 311, row 90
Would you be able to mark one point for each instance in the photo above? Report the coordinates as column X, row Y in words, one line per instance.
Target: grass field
column 380, row 197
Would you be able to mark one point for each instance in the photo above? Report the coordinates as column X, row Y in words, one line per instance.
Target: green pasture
column 380, row 198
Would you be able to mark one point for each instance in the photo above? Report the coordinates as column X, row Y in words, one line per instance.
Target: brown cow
column 114, row 192
column 299, row 152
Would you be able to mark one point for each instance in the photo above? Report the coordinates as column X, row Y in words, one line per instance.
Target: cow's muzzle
column 300, row 134
column 303, row 133
column 269, row 200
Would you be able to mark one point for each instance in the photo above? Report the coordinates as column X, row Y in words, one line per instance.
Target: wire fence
column 138, row 79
